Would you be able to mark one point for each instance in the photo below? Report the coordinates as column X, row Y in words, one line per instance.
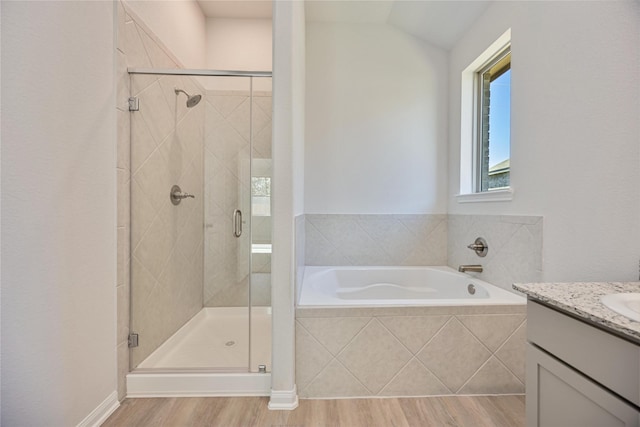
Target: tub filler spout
column 474, row 268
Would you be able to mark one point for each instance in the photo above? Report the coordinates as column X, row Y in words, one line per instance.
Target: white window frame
column 469, row 132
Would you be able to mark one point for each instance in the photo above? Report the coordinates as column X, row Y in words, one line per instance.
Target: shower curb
column 142, row 384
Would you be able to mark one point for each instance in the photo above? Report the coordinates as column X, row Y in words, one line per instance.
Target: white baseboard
column 283, row 400
column 102, row 412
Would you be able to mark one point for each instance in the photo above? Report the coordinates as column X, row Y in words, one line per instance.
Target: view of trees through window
column 261, row 195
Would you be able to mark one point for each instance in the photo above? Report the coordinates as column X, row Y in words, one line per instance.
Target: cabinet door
column 559, row 396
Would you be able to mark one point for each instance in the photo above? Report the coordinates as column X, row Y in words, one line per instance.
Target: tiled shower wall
column 166, row 240
column 230, row 119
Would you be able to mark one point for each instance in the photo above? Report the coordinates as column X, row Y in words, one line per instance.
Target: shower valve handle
column 177, row 195
column 480, row 247
column 184, row 196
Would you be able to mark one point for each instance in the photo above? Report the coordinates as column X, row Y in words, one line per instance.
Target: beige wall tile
column 123, row 197
column 123, row 88
column 492, row 330
column 157, row 56
column 334, row 381
column 454, row 355
column 123, row 369
column 493, row 378
column 414, row 380
column 122, row 313
column 374, row 356
column 144, row 142
column 512, row 353
column 515, row 246
column 226, row 104
column 311, row 357
column 334, row 333
column 376, row 239
column 414, row 331
column 133, row 47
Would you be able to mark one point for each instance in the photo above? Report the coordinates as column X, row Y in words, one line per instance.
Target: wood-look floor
column 477, row 411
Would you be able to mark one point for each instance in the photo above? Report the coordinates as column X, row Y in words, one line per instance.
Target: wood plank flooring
column 454, row 411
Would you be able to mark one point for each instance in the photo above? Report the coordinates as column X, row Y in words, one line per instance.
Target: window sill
column 487, row 196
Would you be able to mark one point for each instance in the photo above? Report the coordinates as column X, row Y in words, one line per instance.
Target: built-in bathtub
column 398, row 286
column 406, row 331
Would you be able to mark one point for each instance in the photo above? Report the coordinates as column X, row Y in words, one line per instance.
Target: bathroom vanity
column 583, row 359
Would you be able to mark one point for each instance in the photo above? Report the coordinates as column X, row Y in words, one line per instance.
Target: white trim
column 284, row 400
column 487, row 196
column 102, row 412
column 468, row 113
column 143, row 384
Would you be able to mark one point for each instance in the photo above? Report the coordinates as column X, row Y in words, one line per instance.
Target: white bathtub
column 398, row 286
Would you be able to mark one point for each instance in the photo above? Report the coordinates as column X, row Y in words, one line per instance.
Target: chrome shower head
column 192, row 101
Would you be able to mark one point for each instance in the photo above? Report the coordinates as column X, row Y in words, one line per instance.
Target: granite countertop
column 583, row 300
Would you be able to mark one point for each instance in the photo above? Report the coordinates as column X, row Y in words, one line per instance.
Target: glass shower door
column 261, row 215
column 227, row 236
column 190, row 246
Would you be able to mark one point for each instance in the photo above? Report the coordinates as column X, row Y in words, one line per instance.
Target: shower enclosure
column 200, row 230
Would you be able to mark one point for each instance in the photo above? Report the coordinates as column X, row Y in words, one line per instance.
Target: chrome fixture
column 237, row 223
column 134, row 104
column 133, row 340
column 262, row 369
column 195, row 72
column 471, row 289
column 474, row 268
column 176, row 195
column 192, row 101
column 480, row 247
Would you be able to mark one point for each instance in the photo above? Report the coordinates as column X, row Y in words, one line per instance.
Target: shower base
column 208, row 356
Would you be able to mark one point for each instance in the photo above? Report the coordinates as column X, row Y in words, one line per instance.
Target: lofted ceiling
column 439, row 22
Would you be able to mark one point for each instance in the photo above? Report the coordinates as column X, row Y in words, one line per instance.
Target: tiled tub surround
column 416, row 351
column 375, row 239
column 515, row 247
column 410, row 351
column 230, row 119
column 515, row 242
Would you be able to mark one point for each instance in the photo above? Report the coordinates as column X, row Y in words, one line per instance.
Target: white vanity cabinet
column 579, row 375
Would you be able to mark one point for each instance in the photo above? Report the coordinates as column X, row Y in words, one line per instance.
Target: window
column 485, row 118
column 493, row 82
column 261, row 195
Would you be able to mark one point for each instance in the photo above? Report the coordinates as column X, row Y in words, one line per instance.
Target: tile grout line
column 504, row 343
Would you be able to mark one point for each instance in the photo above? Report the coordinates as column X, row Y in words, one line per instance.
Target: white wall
column 288, row 97
column 299, row 110
column 376, row 107
column 181, row 26
column 238, row 44
column 58, row 211
column 0, row 223
column 574, row 132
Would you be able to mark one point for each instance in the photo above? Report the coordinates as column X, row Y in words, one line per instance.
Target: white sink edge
column 618, row 303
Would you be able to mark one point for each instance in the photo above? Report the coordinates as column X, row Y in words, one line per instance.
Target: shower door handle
column 237, row 223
